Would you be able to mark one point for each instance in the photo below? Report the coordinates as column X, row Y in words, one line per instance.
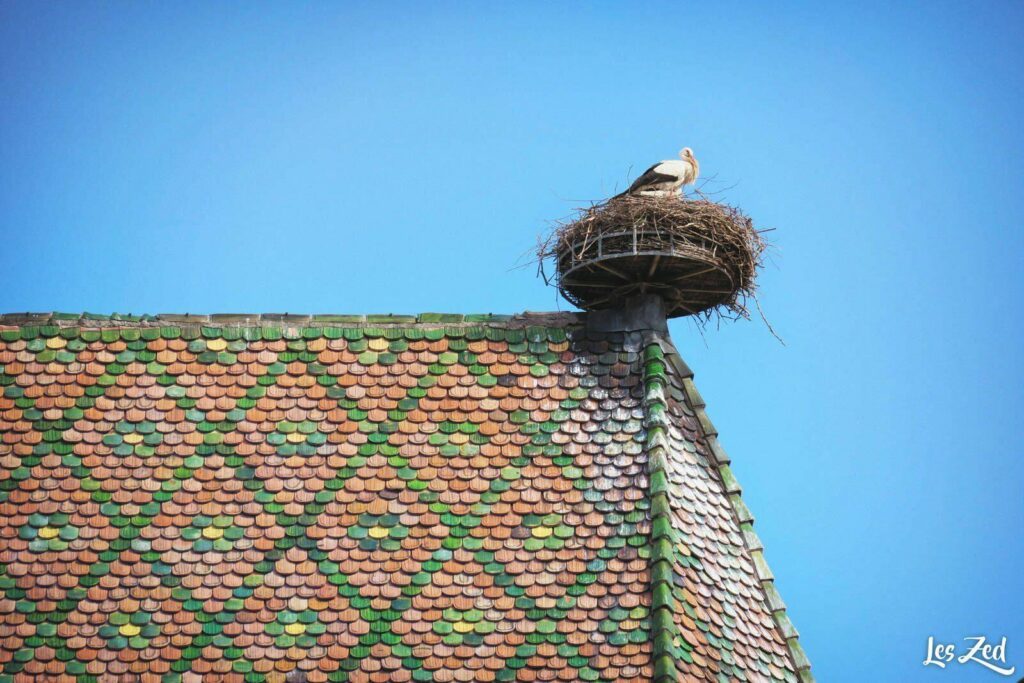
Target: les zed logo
column 992, row 657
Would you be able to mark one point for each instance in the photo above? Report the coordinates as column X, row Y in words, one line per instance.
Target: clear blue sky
column 315, row 157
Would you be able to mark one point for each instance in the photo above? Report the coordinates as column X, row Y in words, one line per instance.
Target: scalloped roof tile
column 370, row 498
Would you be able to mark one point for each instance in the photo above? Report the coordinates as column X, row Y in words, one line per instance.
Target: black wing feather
column 649, row 177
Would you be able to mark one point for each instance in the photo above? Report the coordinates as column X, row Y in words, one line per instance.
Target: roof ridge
column 664, row 629
column 744, row 519
column 288, row 319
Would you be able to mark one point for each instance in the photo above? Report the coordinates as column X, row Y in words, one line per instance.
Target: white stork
column 666, row 178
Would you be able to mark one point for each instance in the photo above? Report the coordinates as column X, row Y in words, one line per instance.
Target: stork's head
column 686, row 154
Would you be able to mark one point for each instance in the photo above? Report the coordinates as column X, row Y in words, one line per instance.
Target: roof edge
column 745, row 520
column 234, row 320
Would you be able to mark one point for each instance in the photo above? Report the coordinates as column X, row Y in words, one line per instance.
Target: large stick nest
column 700, row 256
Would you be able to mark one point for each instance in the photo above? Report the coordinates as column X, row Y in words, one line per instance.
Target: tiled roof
column 370, row 498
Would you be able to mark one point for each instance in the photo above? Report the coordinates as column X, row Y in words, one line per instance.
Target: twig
column 764, row 319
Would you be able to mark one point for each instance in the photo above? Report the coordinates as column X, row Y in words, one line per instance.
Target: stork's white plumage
column 666, row 178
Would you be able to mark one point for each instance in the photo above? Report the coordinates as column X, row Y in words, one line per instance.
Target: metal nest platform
column 608, row 269
column 700, row 257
